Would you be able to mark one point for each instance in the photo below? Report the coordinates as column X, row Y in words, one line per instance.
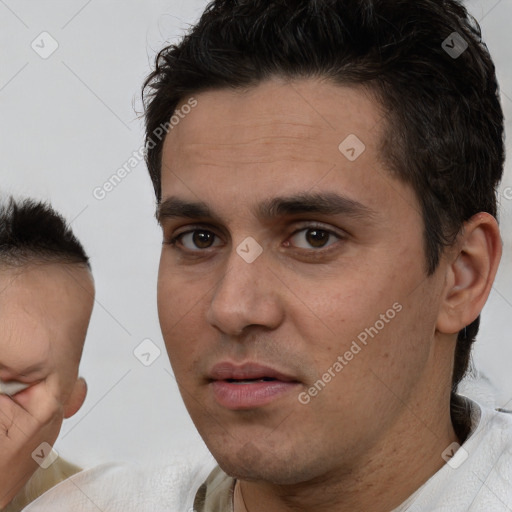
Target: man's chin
column 252, row 464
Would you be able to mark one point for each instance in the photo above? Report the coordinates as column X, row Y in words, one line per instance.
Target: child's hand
column 28, row 419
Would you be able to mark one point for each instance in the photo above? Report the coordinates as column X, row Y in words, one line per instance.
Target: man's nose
column 248, row 293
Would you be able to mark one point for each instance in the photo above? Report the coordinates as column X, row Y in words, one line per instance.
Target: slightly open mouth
column 249, row 381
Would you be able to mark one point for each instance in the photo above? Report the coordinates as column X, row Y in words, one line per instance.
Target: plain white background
column 67, row 124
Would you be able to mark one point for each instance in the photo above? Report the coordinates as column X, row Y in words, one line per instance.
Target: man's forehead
column 276, row 144
column 301, row 128
column 301, row 108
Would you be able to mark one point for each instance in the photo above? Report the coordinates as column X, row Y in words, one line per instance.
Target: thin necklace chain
column 242, row 495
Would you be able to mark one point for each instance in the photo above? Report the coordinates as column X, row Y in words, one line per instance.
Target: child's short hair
column 33, row 232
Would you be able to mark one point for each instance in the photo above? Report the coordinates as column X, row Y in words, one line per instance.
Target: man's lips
column 249, row 385
column 247, row 371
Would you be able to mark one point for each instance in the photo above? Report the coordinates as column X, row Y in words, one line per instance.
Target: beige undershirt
column 216, row 493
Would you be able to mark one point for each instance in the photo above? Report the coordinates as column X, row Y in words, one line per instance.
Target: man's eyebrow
column 174, row 207
column 326, row 203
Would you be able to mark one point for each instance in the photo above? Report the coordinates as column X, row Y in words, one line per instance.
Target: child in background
column 46, row 301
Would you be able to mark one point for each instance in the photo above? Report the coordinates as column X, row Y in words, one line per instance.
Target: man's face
column 44, row 314
column 324, row 279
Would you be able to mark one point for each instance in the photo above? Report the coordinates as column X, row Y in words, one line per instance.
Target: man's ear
column 76, row 398
column 471, row 273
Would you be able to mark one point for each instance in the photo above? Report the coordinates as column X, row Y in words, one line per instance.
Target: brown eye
column 202, row 239
column 317, row 237
column 314, row 237
column 196, row 239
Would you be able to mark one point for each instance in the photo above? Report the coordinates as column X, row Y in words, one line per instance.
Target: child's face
column 44, row 315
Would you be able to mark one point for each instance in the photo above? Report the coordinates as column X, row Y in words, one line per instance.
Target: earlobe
column 76, row 398
column 471, row 273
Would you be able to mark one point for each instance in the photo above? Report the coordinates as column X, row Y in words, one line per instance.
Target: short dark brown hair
column 33, row 232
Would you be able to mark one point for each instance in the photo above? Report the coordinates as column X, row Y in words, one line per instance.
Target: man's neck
column 378, row 482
